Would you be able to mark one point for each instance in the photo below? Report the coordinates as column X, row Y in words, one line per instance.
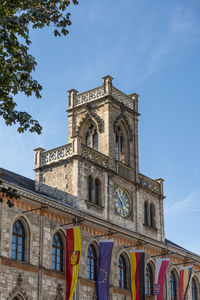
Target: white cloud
column 189, row 204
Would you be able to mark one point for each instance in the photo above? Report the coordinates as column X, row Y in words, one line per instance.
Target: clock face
column 121, row 203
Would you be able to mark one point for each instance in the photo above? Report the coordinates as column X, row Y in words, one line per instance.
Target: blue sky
column 149, row 47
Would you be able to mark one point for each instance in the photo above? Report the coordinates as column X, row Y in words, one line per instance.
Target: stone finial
column 37, row 156
column 160, row 181
column 71, row 95
column 134, row 97
column 107, row 83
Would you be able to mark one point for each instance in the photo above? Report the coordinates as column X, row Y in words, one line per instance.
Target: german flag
column 73, row 254
column 185, row 276
column 137, row 274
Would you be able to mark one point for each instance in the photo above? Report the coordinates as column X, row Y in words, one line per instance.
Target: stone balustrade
column 124, row 171
column 56, row 154
column 123, row 98
column 98, row 93
column 149, row 183
column 89, row 96
column 95, row 156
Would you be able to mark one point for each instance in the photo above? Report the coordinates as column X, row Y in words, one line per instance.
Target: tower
column 98, row 170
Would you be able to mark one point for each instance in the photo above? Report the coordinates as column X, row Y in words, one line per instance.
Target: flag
column 160, row 275
column 185, row 276
column 137, row 274
column 105, row 253
column 73, row 253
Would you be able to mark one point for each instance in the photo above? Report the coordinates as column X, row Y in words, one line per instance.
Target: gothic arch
column 18, row 290
column 28, row 235
column 126, row 257
column 61, row 233
column 122, row 119
column 90, row 116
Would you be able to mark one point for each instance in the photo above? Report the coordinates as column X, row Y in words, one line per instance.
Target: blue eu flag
column 105, row 254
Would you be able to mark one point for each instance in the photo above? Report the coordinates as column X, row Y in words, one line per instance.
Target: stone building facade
column 94, row 181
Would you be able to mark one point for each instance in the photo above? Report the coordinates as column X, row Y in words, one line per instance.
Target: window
column 146, row 209
column 172, row 286
column 57, row 253
column 152, row 215
column 122, row 269
column 18, row 241
column 194, row 290
column 90, row 189
column 91, row 263
column 149, row 280
column 91, row 137
column 97, row 190
column 121, row 145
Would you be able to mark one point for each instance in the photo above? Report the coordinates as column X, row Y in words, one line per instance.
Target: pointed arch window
column 173, row 287
column 91, row 137
column 146, row 211
column 90, row 189
column 18, row 241
column 57, row 253
column 194, row 290
column 149, row 280
column 152, row 215
column 91, row 263
column 97, row 190
column 122, row 271
column 121, row 145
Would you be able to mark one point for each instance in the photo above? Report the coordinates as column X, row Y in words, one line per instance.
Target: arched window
column 18, row 241
column 152, row 215
column 57, row 253
column 122, row 270
column 194, row 290
column 91, row 263
column 149, row 280
column 172, row 286
column 90, row 189
column 91, row 137
column 146, row 210
column 121, row 144
column 97, row 190
column 95, row 140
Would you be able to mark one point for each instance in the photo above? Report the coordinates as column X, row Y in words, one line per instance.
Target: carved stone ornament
column 116, row 122
column 90, row 114
column 18, row 291
column 59, row 293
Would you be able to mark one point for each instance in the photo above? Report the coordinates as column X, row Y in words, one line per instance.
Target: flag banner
column 105, row 254
column 73, row 254
column 185, row 276
column 137, row 274
column 160, row 276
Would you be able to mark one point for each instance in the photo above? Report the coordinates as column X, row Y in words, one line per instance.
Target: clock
column 122, row 202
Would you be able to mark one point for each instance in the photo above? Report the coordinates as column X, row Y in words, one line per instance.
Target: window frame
column 149, row 280
column 57, row 248
column 92, row 262
column 122, row 272
column 17, row 237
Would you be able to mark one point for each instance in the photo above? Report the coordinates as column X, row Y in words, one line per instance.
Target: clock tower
column 102, row 175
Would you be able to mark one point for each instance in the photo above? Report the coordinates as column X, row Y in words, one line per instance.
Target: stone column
column 71, row 96
column 107, row 83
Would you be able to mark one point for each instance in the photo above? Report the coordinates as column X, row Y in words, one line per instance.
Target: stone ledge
column 94, row 205
column 150, row 228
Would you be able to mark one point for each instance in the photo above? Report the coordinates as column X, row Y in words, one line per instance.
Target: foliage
column 17, row 17
column 9, row 193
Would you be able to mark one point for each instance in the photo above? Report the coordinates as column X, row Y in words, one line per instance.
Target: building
column 94, row 181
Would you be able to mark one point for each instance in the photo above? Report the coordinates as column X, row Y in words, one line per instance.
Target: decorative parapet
column 107, row 88
column 124, row 171
column 89, row 96
column 95, row 156
column 123, row 98
column 149, row 183
column 55, row 155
